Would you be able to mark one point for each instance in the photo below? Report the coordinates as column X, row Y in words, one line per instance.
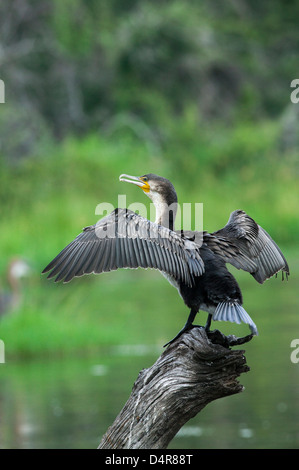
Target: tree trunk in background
column 188, row 375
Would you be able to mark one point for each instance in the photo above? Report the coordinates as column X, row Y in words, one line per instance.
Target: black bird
column 194, row 262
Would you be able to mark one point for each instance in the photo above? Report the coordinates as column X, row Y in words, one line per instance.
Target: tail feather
column 235, row 313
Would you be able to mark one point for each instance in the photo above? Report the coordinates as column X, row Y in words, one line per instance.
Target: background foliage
column 198, row 92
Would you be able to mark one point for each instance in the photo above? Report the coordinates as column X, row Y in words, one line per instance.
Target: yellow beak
column 136, row 180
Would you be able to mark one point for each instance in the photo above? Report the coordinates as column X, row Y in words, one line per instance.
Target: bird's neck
column 13, row 283
column 165, row 212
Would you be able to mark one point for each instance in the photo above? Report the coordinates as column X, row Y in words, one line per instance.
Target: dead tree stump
column 189, row 374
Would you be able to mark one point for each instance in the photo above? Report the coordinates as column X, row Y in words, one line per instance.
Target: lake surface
column 70, row 403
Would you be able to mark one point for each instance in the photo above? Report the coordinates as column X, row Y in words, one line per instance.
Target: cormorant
column 11, row 299
column 194, row 262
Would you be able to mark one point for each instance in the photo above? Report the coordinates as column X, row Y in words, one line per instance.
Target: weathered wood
column 188, row 375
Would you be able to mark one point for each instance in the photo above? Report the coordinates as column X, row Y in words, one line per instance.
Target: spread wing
column 246, row 245
column 123, row 239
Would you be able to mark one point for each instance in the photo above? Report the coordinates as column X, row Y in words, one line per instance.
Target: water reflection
column 71, row 403
column 65, row 403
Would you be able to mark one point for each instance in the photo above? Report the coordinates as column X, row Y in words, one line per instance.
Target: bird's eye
column 144, row 178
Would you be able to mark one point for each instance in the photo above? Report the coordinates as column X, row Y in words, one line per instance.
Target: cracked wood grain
column 187, row 376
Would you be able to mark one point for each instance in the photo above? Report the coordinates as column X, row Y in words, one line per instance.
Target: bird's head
column 161, row 191
column 18, row 268
column 157, row 188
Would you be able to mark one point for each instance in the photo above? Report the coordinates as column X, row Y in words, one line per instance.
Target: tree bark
column 189, row 374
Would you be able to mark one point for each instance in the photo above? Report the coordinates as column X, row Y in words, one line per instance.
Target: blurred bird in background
column 11, row 296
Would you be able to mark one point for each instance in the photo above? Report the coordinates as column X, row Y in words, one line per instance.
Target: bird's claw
column 183, row 330
column 216, row 337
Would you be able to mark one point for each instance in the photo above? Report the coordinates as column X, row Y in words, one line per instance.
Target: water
column 66, row 403
column 70, row 403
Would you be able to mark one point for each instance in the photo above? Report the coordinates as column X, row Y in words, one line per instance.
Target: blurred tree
column 77, row 64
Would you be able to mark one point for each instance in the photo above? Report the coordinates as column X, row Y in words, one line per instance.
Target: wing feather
column 123, row 239
column 246, row 245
